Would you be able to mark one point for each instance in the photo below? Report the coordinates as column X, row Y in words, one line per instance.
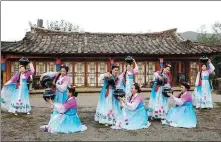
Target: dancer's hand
column 119, row 98
column 30, row 63
column 107, row 74
column 169, row 94
column 160, row 78
column 41, row 77
column 209, row 61
column 121, row 102
column 50, row 101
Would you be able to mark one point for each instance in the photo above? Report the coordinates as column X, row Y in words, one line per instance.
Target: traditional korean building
column 87, row 54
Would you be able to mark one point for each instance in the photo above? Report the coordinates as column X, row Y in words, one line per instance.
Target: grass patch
column 218, row 104
column 133, row 133
column 97, row 125
column 10, row 115
column 204, row 110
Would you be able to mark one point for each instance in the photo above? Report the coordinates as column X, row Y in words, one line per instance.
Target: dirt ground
column 27, row 127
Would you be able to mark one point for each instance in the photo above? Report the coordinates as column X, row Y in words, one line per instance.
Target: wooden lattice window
column 193, row 72
column 150, row 69
column 91, row 74
column 51, row 67
column 102, row 68
column 40, row 68
column 14, row 68
column 141, row 73
column 79, row 74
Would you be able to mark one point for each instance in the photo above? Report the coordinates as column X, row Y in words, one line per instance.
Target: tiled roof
column 44, row 41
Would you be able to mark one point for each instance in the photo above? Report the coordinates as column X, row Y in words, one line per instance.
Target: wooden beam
column 31, row 57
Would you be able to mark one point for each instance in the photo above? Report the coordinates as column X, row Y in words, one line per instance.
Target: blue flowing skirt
column 135, row 119
column 202, row 95
column 181, row 116
column 68, row 122
column 60, row 97
column 16, row 100
column 108, row 108
column 158, row 103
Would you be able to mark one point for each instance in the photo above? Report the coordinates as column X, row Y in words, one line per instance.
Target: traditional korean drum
column 119, row 93
column 47, row 84
column 129, row 60
column 24, row 61
column 167, row 90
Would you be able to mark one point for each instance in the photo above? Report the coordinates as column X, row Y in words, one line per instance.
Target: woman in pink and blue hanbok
column 108, row 106
column 67, row 120
column 15, row 93
column 133, row 115
column 202, row 92
column 183, row 114
column 158, row 103
column 60, row 84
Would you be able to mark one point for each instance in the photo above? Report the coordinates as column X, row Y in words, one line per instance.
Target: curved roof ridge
column 44, row 30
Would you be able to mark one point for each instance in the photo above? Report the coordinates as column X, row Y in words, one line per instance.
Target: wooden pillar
column 73, row 72
column 108, row 67
column 188, row 70
column 157, row 66
column 123, row 64
column 134, row 74
column 46, row 66
column 96, row 74
column 145, row 74
column 85, row 74
column 199, row 66
column 3, row 69
column 7, row 73
column 180, row 67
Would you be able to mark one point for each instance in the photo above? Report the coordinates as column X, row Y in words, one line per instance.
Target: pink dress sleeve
column 135, row 70
column 62, row 108
column 31, row 72
column 156, row 75
column 133, row 105
column 13, row 79
column 183, row 99
column 65, row 82
column 121, row 76
column 178, row 101
column 51, row 74
column 212, row 68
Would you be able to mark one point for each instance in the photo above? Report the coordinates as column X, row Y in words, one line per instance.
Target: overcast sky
column 109, row 16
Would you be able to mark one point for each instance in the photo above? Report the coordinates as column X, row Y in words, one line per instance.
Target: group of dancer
column 128, row 112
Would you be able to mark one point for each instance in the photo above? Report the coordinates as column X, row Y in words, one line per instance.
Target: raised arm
column 197, row 79
column 135, row 70
column 102, row 76
column 13, row 79
column 212, row 68
column 32, row 70
column 62, row 108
